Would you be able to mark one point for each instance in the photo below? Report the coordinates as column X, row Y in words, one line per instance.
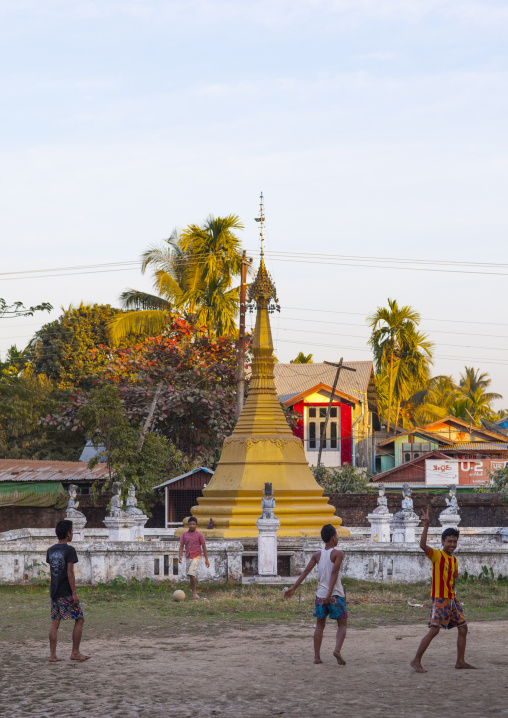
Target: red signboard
column 475, row 472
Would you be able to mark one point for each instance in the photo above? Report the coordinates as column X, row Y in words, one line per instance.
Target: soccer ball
column 179, row 595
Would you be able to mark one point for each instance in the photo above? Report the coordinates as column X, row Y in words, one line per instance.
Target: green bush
column 345, row 479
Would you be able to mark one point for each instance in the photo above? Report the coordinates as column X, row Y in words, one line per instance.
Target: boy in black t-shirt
column 64, row 599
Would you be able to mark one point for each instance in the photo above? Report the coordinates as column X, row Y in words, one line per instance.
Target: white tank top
column 325, row 567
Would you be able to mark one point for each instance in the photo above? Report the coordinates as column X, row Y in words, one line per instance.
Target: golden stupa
column 263, row 448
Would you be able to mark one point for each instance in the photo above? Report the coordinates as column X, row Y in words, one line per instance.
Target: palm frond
column 135, row 299
column 147, row 323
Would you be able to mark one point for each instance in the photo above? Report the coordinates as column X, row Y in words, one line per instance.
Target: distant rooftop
column 31, row 470
column 294, row 379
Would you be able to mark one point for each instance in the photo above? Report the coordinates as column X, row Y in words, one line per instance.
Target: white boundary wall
column 22, row 558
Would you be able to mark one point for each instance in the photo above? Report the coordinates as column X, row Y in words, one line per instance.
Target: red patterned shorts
column 65, row 608
column 447, row 613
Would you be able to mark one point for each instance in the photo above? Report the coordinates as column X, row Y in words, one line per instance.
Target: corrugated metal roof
column 31, row 470
column 293, row 379
column 431, row 436
column 480, row 446
column 410, row 470
column 184, row 476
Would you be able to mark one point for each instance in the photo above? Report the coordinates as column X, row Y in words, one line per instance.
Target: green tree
column 398, row 347
column 66, row 350
column 105, row 422
column 15, row 359
column 302, row 358
column 18, row 309
column 26, row 399
column 192, row 275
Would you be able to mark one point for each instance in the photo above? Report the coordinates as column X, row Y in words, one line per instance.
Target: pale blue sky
column 372, row 127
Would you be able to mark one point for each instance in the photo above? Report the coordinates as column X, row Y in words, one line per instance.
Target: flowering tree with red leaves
column 195, row 376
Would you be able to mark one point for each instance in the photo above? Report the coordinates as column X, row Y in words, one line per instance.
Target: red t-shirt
column 192, row 542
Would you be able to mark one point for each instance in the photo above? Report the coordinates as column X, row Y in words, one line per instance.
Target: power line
column 363, row 314
column 357, row 336
column 427, row 265
column 380, row 259
column 378, row 266
column 351, row 324
column 359, row 349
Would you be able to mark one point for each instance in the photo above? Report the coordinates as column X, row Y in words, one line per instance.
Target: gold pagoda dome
column 263, row 448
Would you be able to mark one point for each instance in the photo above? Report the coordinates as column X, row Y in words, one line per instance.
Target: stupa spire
column 261, row 220
column 263, row 448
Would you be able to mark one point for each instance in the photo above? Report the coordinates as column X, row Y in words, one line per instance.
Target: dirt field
column 258, row 671
column 246, row 653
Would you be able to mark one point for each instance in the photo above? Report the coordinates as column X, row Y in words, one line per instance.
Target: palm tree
column 393, row 335
column 433, row 401
column 302, row 358
column 192, row 275
column 414, row 366
column 215, row 248
column 214, row 306
column 471, row 381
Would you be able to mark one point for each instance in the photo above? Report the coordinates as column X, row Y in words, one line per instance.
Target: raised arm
column 423, row 537
column 337, row 558
column 313, row 562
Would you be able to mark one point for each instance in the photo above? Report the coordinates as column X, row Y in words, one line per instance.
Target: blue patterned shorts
column 65, row 608
column 446, row 613
column 335, row 609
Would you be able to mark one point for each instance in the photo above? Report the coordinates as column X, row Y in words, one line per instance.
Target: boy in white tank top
column 330, row 596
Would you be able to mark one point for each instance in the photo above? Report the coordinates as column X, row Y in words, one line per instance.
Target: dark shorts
column 446, row 613
column 335, row 609
column 65, row 608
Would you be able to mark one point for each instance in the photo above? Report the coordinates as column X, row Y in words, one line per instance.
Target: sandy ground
column 259, row 671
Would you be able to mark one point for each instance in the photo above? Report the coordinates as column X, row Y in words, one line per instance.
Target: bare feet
column 463, row 664
column 54, row 659
column 318, row 660
column 195, row 597
column 339, row 658
column 417, row 666
column 79, row 657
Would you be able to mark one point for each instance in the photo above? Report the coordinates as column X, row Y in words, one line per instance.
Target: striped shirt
column 445, row 569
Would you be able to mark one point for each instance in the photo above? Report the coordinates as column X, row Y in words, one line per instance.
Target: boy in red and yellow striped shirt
column 446, row 610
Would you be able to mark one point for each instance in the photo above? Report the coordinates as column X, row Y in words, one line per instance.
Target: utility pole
column 322, row 438
column 241, row 337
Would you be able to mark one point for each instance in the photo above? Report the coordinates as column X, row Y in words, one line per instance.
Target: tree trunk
column 149, row 418
column 390, row 392
column 397, row 415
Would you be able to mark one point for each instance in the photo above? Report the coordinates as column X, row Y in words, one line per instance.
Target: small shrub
column 345, row 479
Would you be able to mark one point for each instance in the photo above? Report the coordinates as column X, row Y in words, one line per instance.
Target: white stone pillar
column 448, row 520
column 267, row 550
column 125, row 528
column 78, row 527
column 404, row 529
column 379, row 527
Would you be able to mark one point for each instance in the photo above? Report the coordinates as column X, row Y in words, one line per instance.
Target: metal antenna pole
column 322, row 438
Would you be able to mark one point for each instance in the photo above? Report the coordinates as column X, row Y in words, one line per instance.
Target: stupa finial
column 263, row 289
column 261, row 219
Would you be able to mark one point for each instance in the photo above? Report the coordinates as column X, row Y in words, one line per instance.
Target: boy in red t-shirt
column 446, row 610
column 193, row 540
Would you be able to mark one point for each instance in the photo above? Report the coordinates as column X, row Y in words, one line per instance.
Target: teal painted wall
column 403, row 439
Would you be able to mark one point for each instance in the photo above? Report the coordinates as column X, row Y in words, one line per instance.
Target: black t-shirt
column 58, row 556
